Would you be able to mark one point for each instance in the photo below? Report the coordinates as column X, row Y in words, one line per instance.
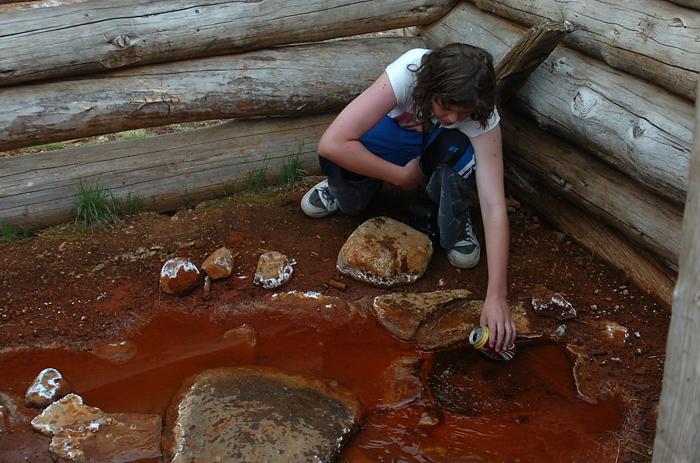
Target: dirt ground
column 71, row 288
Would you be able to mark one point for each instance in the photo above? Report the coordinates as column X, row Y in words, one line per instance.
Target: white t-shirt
column 402, row 81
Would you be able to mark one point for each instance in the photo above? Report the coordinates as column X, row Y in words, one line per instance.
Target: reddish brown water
column 520, row 411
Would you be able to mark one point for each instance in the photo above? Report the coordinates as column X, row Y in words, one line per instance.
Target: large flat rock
column 438, row 319
column 260, row 415
column 384, row 252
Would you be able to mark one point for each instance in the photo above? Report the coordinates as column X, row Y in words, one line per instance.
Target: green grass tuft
column 292, row 172
column 256, row 180
column 97, row 206
column 9, row 233
column 136, row 134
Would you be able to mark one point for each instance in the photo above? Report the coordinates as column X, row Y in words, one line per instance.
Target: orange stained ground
column 525, row 410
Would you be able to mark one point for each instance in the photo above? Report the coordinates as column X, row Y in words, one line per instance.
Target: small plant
column 131, row 205
column 97, row 206
column 291, row 171
column 136, row 134
column 256, row 180
column 10, row 233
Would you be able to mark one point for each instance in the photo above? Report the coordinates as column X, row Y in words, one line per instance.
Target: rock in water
column 548, row 303
column 274, row 270
column 219, row 264
column 259, row 415
column 384, row 252
column 86, row 434
column 179, row 276
column 48, row 387
column 403, row 313
column 402, row 382
column 438, row 319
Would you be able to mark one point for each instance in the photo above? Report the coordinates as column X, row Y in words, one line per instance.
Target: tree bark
column 40, row 189
column 651, row 39
column 533, row 48
column 631, row 124
column 601, row 191
column 695, row 4
column 677, row 430
column 601, row 240
column 103, row 35
column 9, row 6
column 284, row 81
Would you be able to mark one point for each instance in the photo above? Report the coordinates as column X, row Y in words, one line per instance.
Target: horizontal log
column 695, row 4
column 604, row 242
column 282, row 81
column 634, row 125
column 600, row 190
column 9, row 6
column 103, row 35
column 40, row 189
column 651, row 39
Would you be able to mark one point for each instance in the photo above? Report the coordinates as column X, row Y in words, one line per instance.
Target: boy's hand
column 496, row 315
column 411, row 175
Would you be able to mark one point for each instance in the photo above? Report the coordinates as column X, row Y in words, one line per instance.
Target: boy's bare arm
column 489, row 181
column 340, row 142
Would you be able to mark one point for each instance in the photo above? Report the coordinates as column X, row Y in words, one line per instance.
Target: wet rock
column 561, row 331
column 179, row 276
column 244, row 334
column 86, row 434
column 430, row 417
column 616, row 332
column 219, row 264
column 274, row 270
column 123, row 438
column 403, row 313
column 402, row 382
column 4, row 419
column 14, row 411
column 260, row 415
column 384, row 252
column 117, row 352
column 68, row 413
column 48, row 387
column 548, row 303
column 587, row 375
column 438, row 319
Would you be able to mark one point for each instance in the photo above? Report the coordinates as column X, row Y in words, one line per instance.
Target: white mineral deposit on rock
column 48, row 387
column 219, row 264
column 179, row 276
column 274, row 270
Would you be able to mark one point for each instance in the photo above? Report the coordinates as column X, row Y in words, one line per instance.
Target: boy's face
column 448, row 115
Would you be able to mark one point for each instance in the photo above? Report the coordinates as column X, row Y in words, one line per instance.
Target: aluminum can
column 479, row 338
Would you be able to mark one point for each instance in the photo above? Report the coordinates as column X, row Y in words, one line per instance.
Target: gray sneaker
column 318, row 201
column 466, row 251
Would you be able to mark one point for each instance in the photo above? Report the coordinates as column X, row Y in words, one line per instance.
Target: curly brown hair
column 455, row 75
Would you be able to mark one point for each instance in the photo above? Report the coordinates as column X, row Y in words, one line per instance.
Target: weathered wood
column 600, row 190
column 687, row 3
column 39, row 190
column 651, row 39
column 533, row 48
column 677, row 431
column 103, row 35
column 636, row 126
column 8, row 6
column 282, row 81
column 604, row 242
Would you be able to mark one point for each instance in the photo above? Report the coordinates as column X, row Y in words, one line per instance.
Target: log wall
column 654, row 40
column 165, row 171
column 289, row 81
column 605, row 143
column 103, row 35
